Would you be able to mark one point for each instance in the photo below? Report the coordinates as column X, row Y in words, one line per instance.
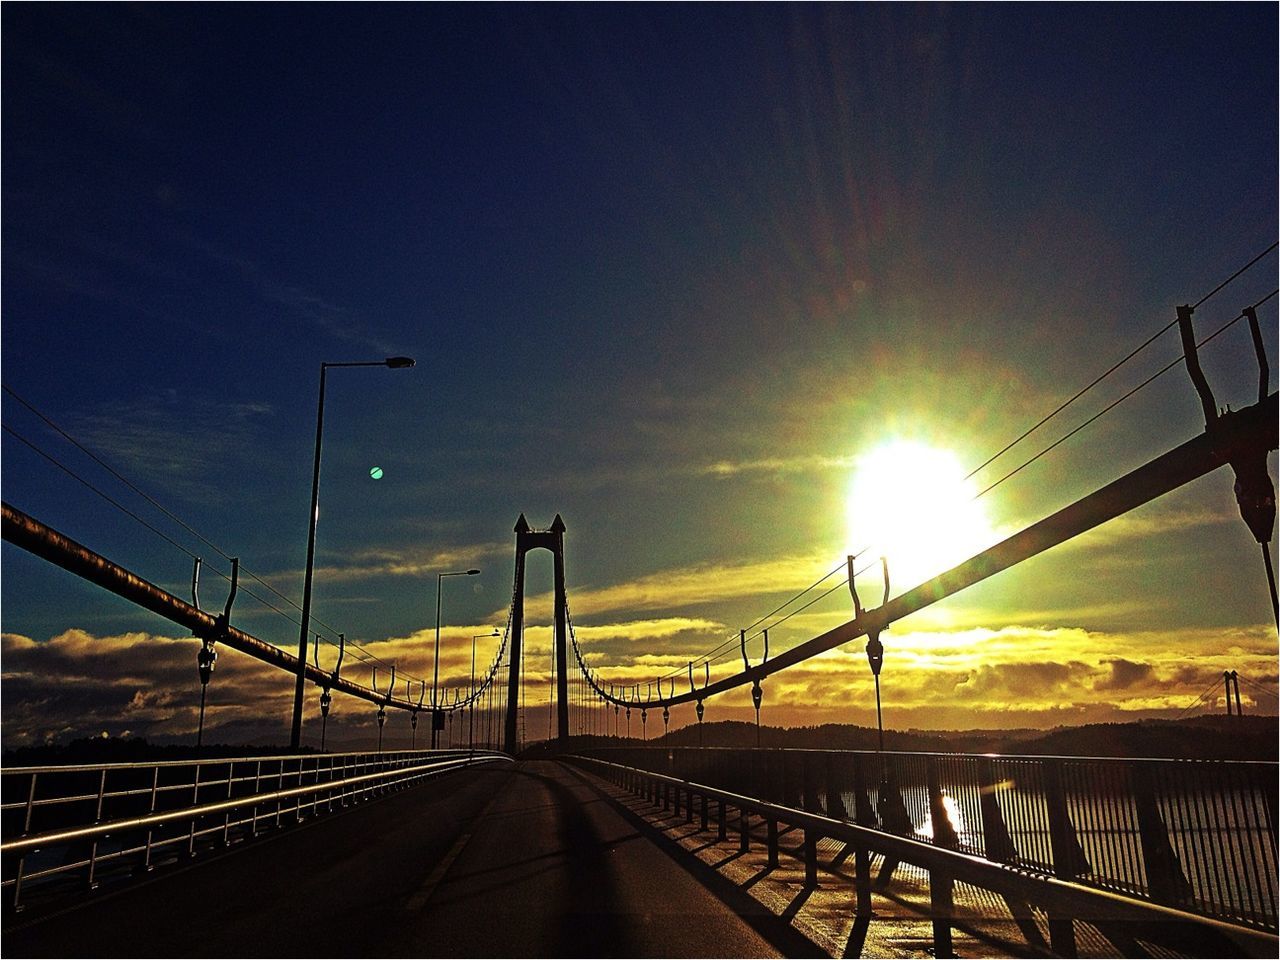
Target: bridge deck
column 540, row 859
column 530, row 861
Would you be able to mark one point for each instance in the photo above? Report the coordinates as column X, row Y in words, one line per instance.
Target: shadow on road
column 777, row 932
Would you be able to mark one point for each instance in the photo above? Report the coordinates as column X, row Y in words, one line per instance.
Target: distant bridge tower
column 1231, row 681
column 526, row 540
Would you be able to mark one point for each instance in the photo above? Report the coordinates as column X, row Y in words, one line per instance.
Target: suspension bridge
column 595, row 845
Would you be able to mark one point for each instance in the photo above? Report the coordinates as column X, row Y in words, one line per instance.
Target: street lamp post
column 395, row 363
column 435, row 676
column 471, row 709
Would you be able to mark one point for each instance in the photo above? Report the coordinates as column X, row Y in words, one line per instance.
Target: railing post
column 279, row 786
column 891, row 811
column 862, row 878
column 704, row 813
column 26, row 829
column 257, row 782
column 940, row 905
column 297, row 801
column 770, row 782
column 940, row 885
column 195, row 799
column 151, row 808
column 1067, row 855
column 93, row 850
column 997, row 844
column 226, row 818
column 944, row 831
column 864, row 813
column 809, row 781
column 744, row 830
column 772, row 826
column 723, row 810
column 792, row 779
column 1166, row 881
column 688, row 805
column 810, row 858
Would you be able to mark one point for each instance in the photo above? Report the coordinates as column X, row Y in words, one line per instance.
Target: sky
column 679, row 274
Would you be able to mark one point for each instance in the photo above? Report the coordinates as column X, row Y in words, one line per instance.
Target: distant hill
column 1216, row 737
column 1201, row 738
column 1211, row 737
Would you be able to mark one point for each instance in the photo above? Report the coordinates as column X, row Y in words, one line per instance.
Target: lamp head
column 472, row 573
column 396, row 363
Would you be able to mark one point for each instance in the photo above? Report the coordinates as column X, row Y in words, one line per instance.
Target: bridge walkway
column 531, row 860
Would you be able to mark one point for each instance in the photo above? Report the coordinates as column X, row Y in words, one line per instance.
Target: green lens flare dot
column 376, row 473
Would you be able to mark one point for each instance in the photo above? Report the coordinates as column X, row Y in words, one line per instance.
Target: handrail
column 188, row 813
column 212, row 760
column 245, row 793
column 955, row 865
column 1197, row 834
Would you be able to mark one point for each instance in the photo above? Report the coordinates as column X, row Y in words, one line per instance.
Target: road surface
column 525, row 860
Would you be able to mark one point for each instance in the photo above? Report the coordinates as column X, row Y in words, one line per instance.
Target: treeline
column 1216, row 737
column 1199, row 738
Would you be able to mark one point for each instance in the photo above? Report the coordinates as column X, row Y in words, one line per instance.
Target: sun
column 910, row 503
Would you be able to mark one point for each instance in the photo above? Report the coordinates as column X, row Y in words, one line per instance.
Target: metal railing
column 1064, row 901
column 1199, row 835
column 70, row 828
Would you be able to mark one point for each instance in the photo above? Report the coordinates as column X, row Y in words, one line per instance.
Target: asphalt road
column 531, row 860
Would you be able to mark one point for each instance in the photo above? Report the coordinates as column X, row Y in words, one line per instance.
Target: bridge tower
column 526, row 540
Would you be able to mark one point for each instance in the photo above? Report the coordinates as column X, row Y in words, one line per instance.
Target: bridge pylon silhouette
column 529, row 539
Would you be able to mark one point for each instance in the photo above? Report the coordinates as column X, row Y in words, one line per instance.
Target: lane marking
column 420, row 897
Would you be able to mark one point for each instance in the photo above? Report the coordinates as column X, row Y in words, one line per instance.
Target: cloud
column 1125, row 674
column 78, row 684
column 686, row 586
column 305, row 305
column 638, row 631
column 334, row 320
column 727, row 468
column 149, row 439
column 1023, row 681
column 382, row 562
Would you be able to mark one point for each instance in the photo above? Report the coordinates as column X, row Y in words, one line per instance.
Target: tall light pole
column 471, row 709
column 435, row 676
column 395, row 363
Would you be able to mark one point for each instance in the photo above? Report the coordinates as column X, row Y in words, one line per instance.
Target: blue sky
column 666, row 271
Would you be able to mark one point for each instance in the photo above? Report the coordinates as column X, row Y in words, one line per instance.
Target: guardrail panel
column 98, row 822
column 1200, row 835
